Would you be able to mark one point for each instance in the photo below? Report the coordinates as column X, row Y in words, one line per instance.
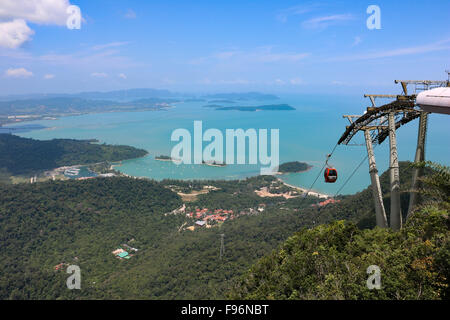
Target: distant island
column 214, row 106
column 221, row 101
column 30, row 107
column 242, row 96
column 213, row 163
column 272, row 107
column 165, row 158
column 294, row 167
column 208, row 163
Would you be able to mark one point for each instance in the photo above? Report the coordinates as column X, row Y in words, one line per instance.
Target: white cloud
column 109, row 45
column 18, row 73
column 36, row 11
column 296, row 81
column 437, row 46
column 108, row 59
column 260, row 55
column 325, row 21
column 122, row 76
column 49, row 76
column 14, row 33
column 130, row 14
column 99, row 75
column 14, row 15
column 283, row 15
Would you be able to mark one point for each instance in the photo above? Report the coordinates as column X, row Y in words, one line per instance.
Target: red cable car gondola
column 330, row 175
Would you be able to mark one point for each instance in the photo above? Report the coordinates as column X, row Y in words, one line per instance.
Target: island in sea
column 221, row 101
column 242, row 96
column 164, row 158
column 29, row 107
column 214, row 163
column 272, row 107
column 208, row 163
column 293, row 167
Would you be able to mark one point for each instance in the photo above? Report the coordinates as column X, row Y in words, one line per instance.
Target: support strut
column 396, row 214
column 420, row 156
column 376, row 187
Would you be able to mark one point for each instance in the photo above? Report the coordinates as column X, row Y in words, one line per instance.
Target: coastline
column 312, row 193
column 319, row 195
column 54, row 117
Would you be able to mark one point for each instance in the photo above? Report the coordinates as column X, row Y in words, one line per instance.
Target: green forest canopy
column 331, row 261
column 44, row 224
column 22, row 155
column 294, row 166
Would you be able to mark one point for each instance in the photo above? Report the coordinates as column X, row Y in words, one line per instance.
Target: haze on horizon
column 211, row 46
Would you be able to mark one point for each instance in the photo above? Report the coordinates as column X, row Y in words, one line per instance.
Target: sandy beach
column 303, row 190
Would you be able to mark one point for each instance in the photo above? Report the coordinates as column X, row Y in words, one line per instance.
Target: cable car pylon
column 379, row 123
column 380, row 212
column 420, row 156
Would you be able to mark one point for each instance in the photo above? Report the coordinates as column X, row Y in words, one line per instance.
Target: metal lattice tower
column 379, row 123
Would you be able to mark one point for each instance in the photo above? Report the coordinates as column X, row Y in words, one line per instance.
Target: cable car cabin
column 330, row 175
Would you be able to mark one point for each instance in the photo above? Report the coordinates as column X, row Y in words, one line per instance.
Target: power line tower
column 222, row 246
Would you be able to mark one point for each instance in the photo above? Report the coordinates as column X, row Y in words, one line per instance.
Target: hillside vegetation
column 77, row 222
column 22, row 155
column 294, row 166
column 82, row 222
column 330, row 261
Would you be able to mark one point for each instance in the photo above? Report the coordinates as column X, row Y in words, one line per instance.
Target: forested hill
column 22, row 155
column 82, row 222
column 331, row 261
column 77, row 222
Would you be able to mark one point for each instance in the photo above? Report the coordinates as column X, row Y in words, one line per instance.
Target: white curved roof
column 435, row 100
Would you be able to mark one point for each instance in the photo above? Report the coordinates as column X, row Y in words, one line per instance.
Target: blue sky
column 212, row 46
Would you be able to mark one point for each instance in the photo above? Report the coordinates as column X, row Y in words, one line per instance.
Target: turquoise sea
column 307, row 134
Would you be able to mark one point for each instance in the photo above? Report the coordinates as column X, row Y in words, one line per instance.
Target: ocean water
column 307, row 134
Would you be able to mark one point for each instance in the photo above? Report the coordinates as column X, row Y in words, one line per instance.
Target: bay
column 307, row 134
